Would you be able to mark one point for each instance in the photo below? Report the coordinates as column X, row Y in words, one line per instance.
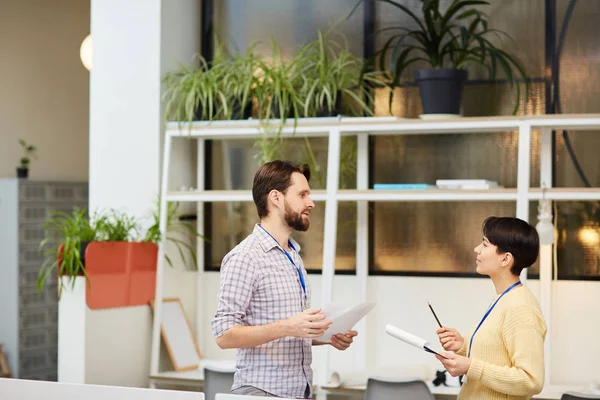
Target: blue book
column 402, row 186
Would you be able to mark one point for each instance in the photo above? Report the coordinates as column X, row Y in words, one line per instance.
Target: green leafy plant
column 279, row 82
column 29, row 152
column 69, row 231
column 453, row 38
column 329, row 71
column 177, row 227
column 115, row 226
column 220, row 89
column 238, row 79
column 278, row 98
column 194, row 92
column 66, row 236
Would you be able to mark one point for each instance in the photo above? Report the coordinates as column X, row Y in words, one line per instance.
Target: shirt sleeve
column 523, row 331
column 237, row 281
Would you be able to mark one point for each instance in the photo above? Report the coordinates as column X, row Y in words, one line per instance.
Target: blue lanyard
column 488, row 313
column 302, row 283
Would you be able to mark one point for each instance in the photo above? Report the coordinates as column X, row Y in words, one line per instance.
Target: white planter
column 72, row 311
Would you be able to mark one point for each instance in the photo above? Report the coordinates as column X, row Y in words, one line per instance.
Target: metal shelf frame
column 333, row 129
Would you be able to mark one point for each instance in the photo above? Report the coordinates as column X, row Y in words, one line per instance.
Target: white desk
column 195, row 378
column 21, row 389
column 549, row 392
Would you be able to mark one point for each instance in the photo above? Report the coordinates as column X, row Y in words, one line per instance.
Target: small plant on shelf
column 29, row 153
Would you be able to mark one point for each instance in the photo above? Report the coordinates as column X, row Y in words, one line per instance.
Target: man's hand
column 450, row 339
column 455, row 365
column 342, row 341
column 307, row 324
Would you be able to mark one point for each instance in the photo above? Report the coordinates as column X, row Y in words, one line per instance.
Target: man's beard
column 295, row 220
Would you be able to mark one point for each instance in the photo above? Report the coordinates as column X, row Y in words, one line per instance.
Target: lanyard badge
column 298, row 269
column 488, row 313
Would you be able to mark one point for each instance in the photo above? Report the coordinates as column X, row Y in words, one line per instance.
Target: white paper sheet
column 343, row 319
column 411, row 339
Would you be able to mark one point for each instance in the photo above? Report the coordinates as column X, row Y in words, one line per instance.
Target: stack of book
column 466, row 184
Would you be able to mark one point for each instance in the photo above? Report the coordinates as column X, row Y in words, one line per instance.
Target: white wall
column 44, row 88
column 9, row 283
column 135, row 41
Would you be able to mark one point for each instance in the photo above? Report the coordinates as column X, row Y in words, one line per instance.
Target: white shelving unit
column 334, row 129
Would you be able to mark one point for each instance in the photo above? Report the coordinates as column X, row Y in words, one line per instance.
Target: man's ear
column 275, row 197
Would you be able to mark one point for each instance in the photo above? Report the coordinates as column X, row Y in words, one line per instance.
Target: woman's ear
column 507, row 260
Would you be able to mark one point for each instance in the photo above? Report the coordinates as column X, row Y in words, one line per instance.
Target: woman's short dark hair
column 514, row 236
column 274, row 175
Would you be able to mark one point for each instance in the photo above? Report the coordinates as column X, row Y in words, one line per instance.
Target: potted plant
column 448, row 42
column 238, row 80
column 193, row 92
column 29, row 152
column 219, row 89
column 176, row 228
column 279, row 83
column 67, row 236
column 331, row 71
column 111, row 251
column 278, row 98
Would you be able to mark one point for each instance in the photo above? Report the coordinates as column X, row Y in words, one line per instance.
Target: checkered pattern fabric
column 259, row 285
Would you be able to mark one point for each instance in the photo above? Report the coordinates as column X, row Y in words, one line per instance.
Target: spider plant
column 278, row 89
column 64, row 244
column 237, row 81
column 176, row 226
column 278, row 95
column 330, row 70
column 193, row 92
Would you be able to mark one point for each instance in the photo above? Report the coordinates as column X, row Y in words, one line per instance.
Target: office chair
column 410, row 389
column 216, row 381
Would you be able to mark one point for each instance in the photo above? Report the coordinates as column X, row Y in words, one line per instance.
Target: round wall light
column 85, row 52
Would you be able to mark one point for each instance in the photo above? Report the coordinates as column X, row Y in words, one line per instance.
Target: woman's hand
column 450, row 339
column 455, row 365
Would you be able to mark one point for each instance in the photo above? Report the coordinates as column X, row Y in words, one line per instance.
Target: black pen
column 436, row 318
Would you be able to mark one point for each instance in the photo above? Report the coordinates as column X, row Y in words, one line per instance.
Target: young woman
column 502, row 356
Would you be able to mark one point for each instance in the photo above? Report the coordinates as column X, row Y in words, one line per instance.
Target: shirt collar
column 267, row 242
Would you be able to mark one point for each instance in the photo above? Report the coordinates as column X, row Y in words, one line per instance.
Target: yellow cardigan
column 507, row 355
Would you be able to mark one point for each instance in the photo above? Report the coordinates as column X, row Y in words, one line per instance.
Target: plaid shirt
column 259, row 285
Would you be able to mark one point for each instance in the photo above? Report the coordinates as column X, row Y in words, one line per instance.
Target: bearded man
column 264, row 296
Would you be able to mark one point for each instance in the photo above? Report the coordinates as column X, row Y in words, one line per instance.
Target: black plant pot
column 239, row 112
column 200, row 115
column 335, row 111
column 22, row 173
column 82, row 250
column 275, row 111
column 441, row 89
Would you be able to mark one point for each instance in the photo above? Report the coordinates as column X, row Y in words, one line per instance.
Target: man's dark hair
column 514, row 236
column 274, row 175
